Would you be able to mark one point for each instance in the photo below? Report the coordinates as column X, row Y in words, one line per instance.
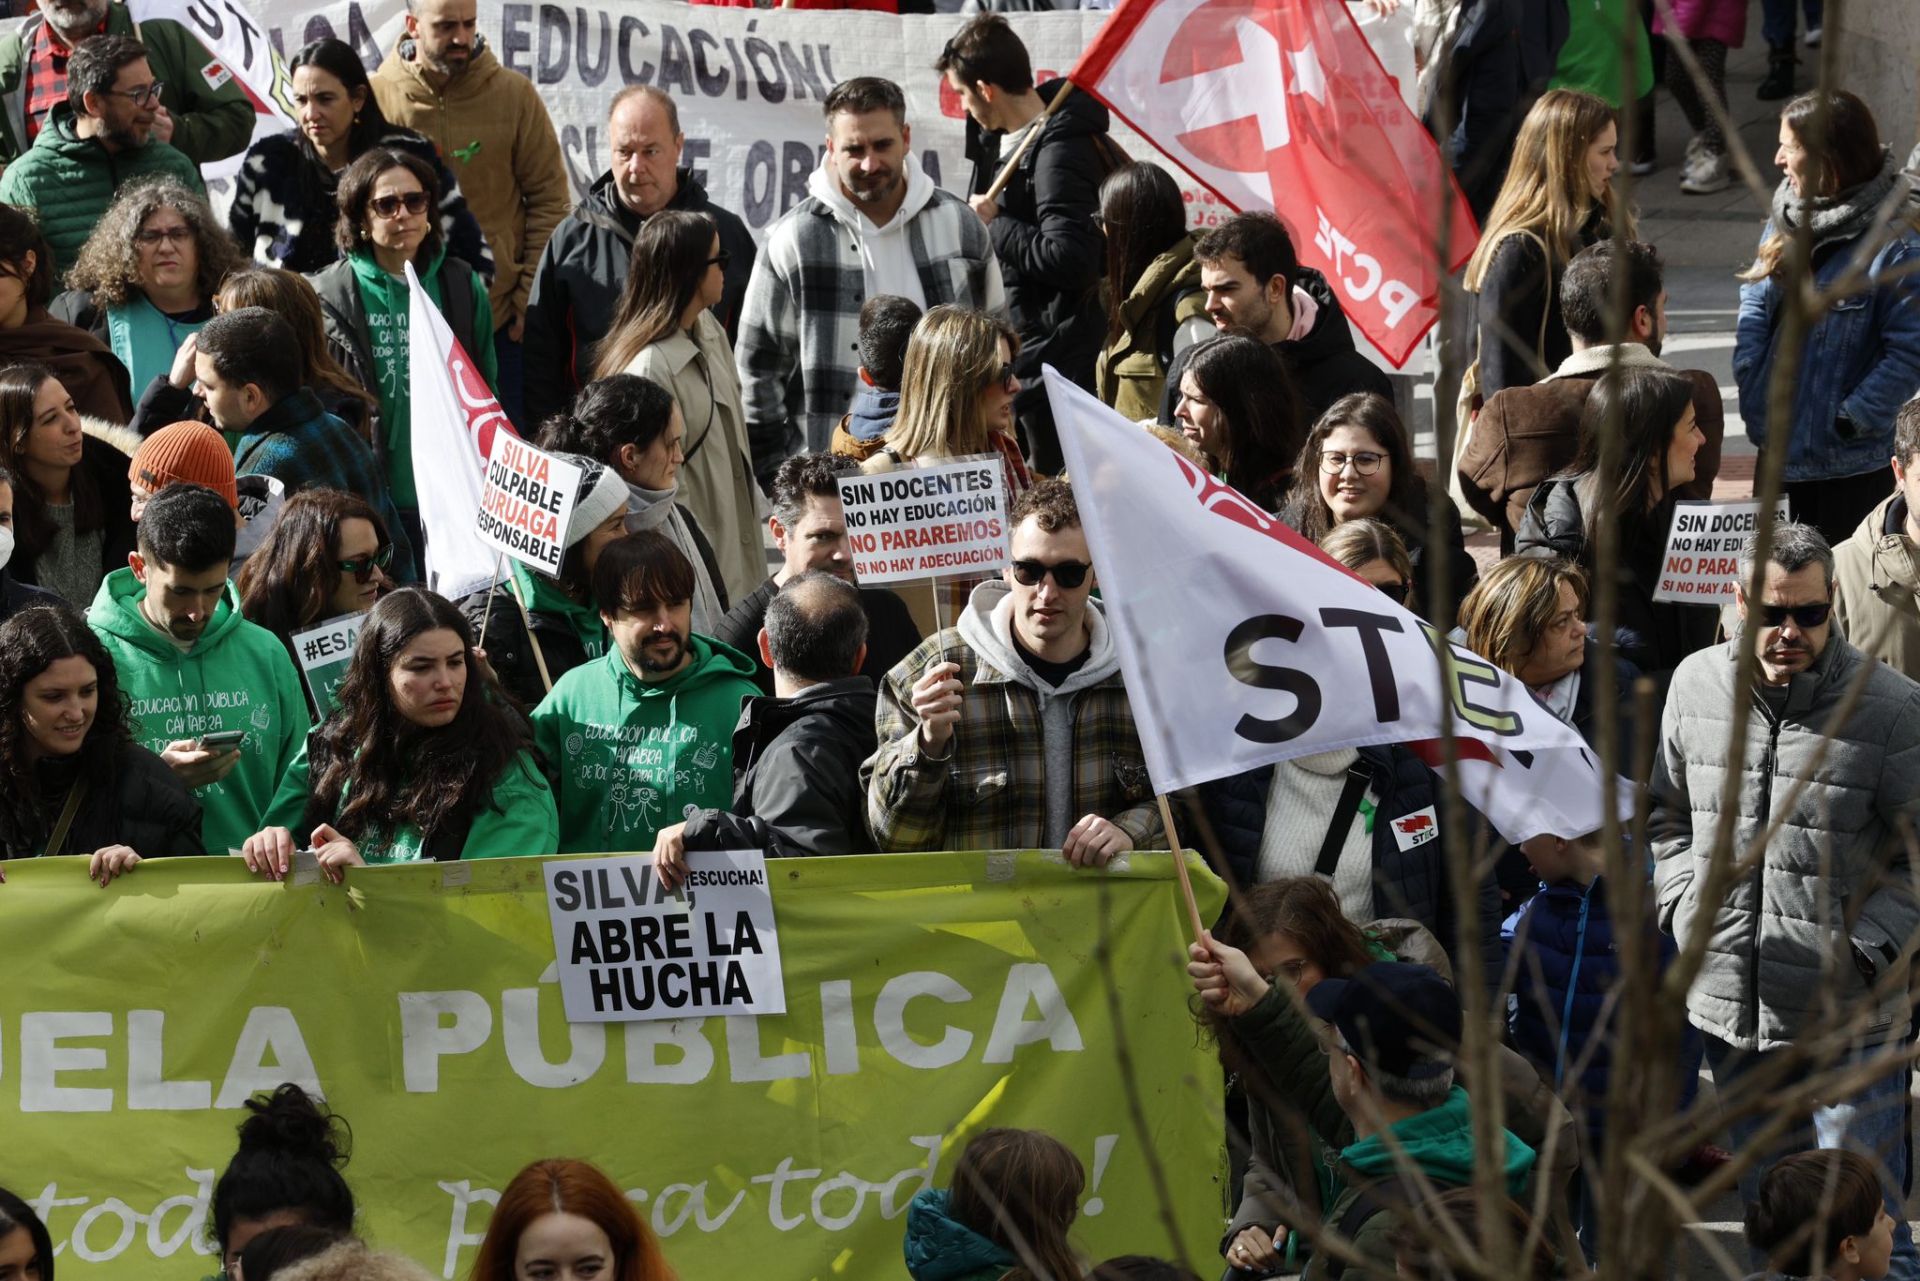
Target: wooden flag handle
column 1180, row 861
column 1005, row 175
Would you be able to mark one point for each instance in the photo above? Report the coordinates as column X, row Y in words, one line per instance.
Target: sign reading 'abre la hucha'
column 927, row 997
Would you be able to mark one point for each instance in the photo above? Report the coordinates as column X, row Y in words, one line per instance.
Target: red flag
column 1282, row 105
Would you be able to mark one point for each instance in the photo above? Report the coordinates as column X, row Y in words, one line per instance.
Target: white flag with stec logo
column 1242, row 645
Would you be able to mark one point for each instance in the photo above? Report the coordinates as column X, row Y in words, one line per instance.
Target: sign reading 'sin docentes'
column 927, row 522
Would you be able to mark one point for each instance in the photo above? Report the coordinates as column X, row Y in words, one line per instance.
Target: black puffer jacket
column 142, row 805
column 1410, row 883
column 796, row 775
column 16, row 596
column 1652, row 635
column 576, row 287
column 1325, row 364
column 1051, row 251
column 509, row 650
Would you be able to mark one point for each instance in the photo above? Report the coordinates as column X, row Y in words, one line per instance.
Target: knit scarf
column 1845, row 216
column 655, row 509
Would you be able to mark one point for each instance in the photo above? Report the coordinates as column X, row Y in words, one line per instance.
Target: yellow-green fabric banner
column 928, row 996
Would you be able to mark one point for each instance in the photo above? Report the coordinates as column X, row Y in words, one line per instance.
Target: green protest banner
column 928, row 996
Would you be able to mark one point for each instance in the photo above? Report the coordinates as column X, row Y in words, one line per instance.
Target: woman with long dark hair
column 284, row 196
column 665, row 331
column 1357, row 463
column 287, row 1170
column 1237, row 403
column 29, row 332
column 1005, row 1214
column 327, row 555
column 1658, row 439
column 575, row 1213
column 71, row 522
column 72, row 780
column 1860, row 357
column 419, row 761
column 26, row 1247
column 1156, row 308
column 385, row 197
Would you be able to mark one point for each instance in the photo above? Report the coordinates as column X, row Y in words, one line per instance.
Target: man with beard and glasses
column 101, row 139
column 203, row 112
column 213, row 694
column 1013, row 730
column 1806, row 953
column 1526, row 434
column 639, row 738
column 873, row 223
column 494, row 133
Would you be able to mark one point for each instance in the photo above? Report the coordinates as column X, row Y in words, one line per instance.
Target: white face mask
column 6, row 545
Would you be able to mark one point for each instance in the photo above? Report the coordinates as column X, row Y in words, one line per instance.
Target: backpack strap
column 1390, row 1193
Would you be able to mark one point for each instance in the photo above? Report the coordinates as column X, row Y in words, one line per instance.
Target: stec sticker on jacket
column 1416, row 829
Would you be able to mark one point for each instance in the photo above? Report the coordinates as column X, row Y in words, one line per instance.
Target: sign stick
column 1180, row 865
column 499, row 562
column 1005, row 175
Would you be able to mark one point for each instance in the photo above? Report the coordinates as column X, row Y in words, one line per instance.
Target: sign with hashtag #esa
column 324, row 652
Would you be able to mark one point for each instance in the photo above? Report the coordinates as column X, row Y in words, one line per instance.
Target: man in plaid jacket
column 1012, row 730
column 873, row 223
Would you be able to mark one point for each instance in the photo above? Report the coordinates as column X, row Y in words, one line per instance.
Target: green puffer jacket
column 71, row 180
column 210, row 122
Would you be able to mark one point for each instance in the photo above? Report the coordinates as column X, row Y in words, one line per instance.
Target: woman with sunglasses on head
column 1358, row 463
column 144, row 281
column 88, row 369
column 665, row 330
column 420, row 760
column 1649, row 413
column 1237, row 403
column 386, row 201
column 327, row 556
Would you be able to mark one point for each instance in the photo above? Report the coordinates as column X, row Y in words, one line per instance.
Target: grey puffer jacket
column 1790, row 944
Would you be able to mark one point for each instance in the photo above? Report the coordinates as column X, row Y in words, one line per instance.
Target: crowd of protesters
column 206, row 447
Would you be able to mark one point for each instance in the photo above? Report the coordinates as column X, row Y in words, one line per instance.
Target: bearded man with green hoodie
column 1380, row 1078
column 192, row 666
column 640, row 737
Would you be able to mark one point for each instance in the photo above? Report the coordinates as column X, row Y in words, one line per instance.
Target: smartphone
column 225, row 740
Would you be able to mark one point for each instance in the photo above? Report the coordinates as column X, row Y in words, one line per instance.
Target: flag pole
column 1180, row 862
column 499, row 562
column 1005, row 175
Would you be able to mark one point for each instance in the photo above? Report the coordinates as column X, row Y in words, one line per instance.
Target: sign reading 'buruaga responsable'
column 525, row 502
column 629, row 950
column 927, row 522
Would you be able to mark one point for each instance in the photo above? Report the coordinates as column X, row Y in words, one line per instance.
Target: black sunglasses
column 362, row 567
column 1803, row 616
column 1397, row 589
column 414, row 202
column 1067, row 573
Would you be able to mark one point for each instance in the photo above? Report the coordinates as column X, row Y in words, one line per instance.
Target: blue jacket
column 1570, row 967
column 1861, row 362
column 1410, row 883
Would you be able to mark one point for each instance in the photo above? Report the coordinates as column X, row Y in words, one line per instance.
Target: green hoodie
column 518, row 819
column 385, row 298
column 633, row 757
column 237, row 676
column 542, row 595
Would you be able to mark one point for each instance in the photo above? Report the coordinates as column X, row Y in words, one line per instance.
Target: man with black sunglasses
column 1812, row 942
column 1012, row 730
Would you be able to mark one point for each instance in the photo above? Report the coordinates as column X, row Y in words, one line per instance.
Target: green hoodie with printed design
column 237, row 676
column 630, row 756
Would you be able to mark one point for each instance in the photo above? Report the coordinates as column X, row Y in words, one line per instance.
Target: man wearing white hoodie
column 872, row 223
column 1013, row 730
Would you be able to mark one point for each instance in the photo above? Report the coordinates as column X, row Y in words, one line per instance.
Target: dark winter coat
column 576, row 287
column 284, row 207
column 163, row 404
column 143, row 805
column 1048, row 240
column 552, row 620
column 103, row 469
column 1324, row 364
column 16, row 596
column 1519, row 294
column 1652, row 635
column 796, row 775
column 1410, row 883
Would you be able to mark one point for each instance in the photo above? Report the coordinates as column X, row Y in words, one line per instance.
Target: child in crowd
column 1822, row 1214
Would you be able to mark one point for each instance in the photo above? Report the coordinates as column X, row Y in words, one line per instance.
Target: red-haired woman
column 561, row 1217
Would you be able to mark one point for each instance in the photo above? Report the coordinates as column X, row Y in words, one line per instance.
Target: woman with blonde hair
column 1553, row 204
column 956, row 395
column 1374, row 551
column 665, row 331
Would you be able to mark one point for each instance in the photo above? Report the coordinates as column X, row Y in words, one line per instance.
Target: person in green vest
column 637, row 737
column 215, row 696
column 421, row 760
column 1607, row 51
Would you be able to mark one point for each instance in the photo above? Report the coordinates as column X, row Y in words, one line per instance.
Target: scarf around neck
column 1843, row 216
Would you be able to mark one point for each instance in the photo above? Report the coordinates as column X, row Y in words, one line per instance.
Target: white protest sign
column 927, row 522
column 526, row 499
column 628, row 951
column 1702, row 561
column 325, row 652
